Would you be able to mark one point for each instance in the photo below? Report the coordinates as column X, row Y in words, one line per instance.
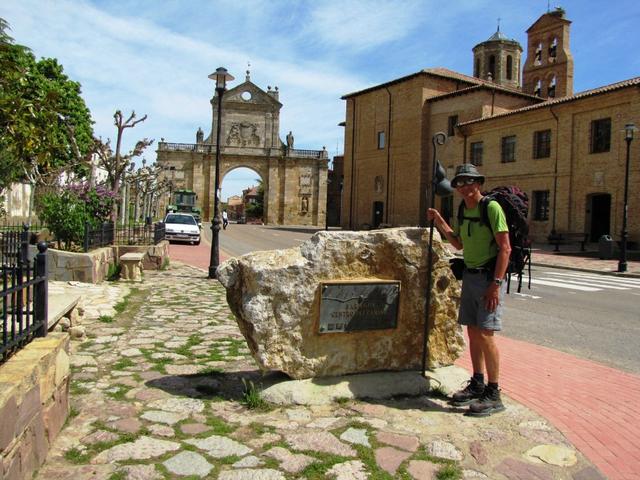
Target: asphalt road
column 590, row 315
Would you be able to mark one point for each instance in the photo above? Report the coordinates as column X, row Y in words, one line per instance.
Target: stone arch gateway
column 295, row 181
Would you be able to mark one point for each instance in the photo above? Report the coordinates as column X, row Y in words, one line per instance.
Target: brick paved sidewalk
column 593, row 405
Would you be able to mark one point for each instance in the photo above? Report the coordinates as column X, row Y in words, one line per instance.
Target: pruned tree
column 115, row 163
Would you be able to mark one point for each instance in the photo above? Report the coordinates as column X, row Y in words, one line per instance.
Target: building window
column 509, row 149
column 541, row 205
column 451, row 128
column 538, row 55
column 476, row 70
column 476, row 153
column 601, row 135
column 551, row 90
column 492, row 67
column 509, row 67
column 380, row 140
column 542, row 144
column 537, row 91
column 553, row 50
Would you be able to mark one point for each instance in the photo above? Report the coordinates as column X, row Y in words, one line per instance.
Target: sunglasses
column 463, row 181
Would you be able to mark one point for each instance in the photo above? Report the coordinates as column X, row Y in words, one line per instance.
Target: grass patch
column 165, row 264
column 342, row 400
column 318, row 469
column 219, row 426
column 123, row 363
column 76, row 389
column 77, row 456
column 122, row 305
column 449, row 472
column 192, row 341
column 113, row 273
column 120, row 392
column 261, row 429
column 105, row 319
column 119, row 475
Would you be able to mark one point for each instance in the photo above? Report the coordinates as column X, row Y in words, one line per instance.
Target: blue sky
column 153, row 56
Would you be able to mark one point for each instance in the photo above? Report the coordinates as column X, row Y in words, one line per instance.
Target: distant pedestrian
column 486, row 250
column 225, row 220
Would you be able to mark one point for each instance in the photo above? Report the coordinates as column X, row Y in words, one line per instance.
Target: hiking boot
column 487, row 404
column 473, row 391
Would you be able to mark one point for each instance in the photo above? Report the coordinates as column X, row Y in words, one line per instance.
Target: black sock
column 493, row 385
column 479, row 377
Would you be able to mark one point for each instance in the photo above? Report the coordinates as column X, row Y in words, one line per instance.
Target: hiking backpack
column 515, row 204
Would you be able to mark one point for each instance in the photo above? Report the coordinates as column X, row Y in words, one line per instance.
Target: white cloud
column 363, row 24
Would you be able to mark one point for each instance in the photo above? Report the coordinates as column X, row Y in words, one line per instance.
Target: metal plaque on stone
column 357, row 306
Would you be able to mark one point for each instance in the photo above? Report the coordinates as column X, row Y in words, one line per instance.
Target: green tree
column 45, row 125
column 256, row 210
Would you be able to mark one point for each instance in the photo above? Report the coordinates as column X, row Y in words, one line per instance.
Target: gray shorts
column 472, row 311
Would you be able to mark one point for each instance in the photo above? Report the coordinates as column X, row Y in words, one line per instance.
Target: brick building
column 566, row 150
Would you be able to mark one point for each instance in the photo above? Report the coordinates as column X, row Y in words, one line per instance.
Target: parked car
column 181, row 227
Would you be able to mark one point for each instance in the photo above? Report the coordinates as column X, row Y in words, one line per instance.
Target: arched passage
column 236, row 181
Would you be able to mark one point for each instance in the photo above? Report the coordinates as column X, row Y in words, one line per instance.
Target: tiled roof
column 437, row 72
column 486, row 86
column 556, row 101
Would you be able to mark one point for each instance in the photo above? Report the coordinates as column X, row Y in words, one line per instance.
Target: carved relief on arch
column 243, row 134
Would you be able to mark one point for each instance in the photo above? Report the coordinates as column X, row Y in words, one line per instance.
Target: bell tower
column 548, row 69
column 498, row 60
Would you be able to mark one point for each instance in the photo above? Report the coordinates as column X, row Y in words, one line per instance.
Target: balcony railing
column 211, row 148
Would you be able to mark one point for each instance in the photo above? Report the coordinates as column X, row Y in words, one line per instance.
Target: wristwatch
column 498, row 281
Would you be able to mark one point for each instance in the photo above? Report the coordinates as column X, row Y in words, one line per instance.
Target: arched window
column 551, row 89
column 476, row 70
column 492, row 67
column 538, row 57
column 538, row 88
column 553, row 49
column 509, row 67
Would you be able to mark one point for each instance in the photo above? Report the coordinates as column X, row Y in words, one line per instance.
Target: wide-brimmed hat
column 467, row 170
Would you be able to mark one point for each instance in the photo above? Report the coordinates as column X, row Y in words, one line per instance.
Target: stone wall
column 155, row 255
column 34, row 404
column 93, row 266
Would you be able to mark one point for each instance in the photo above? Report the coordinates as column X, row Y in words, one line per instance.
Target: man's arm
column 445, row 229
column 491, row 295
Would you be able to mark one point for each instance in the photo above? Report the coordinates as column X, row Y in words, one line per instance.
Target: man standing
column 225, row 220
column 486, row 251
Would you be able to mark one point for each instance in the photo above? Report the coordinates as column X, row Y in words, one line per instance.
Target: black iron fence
column 133, row 234
column 24, row 293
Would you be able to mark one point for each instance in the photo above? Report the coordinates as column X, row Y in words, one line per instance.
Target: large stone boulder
column 276, row 295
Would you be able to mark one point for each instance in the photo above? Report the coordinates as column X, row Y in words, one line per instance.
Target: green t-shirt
column 477, row 239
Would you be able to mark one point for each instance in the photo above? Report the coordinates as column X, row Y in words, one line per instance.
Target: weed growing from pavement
column 105, row 319
column 261, row 429
column 342, row 400
column 438, row 391
column 251, row 397
column 450, row 469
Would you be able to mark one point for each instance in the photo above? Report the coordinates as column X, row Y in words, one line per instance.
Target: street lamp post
column 629, row 128
column 221, row 76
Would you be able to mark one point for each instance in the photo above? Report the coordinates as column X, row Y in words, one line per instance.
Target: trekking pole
column 441, row 186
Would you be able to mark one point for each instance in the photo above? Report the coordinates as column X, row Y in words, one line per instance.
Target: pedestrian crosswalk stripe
column 564, row 285
column 621, row 281
column 587, row 282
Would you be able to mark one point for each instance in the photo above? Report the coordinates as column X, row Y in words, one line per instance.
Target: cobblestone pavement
column 162, row 388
